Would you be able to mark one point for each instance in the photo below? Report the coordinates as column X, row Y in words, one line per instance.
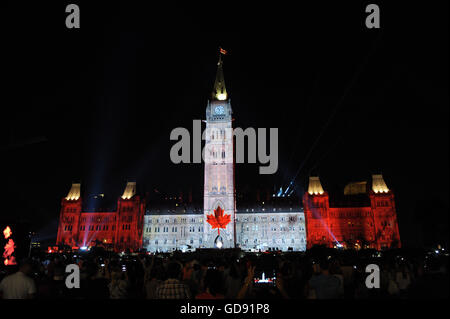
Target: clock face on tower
column 219, row 110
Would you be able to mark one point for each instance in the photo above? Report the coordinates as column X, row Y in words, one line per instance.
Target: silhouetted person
column 19, row 285
column 213, row 283
column 172, row 288
column 325, row 285
column 95, row 286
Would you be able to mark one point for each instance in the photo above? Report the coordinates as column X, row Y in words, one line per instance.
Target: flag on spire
column 222, row 51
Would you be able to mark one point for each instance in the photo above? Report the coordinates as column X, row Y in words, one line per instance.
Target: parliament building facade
column 273, row 224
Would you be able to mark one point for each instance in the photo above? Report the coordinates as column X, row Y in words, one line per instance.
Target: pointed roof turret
column 378, row 184
column 315, row 187
column 219, row 91
column 75, row 192
column 130, row 190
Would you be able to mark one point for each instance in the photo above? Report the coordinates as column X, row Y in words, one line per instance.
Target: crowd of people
column 319, row 274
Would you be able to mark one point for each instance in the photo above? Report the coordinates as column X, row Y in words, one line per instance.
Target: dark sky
column 98, row 104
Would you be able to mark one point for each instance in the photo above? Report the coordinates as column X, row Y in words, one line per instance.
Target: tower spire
column 219, row 91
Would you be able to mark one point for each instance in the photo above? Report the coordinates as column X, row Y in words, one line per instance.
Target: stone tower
column 219, row 191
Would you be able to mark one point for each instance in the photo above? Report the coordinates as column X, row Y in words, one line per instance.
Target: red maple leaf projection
column 218, row 220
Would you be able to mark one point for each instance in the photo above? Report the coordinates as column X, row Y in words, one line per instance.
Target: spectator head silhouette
column 213, row 281
column 25, row 266
column 324, row 264
column 173, row 270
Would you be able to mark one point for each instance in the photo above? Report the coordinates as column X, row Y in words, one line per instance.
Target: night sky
column 97, row 104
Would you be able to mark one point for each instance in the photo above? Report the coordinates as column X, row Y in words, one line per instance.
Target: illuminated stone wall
column 373, row 225
column 168, row 232
column 119, row 230
column 276, row 230
column 255, row 231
